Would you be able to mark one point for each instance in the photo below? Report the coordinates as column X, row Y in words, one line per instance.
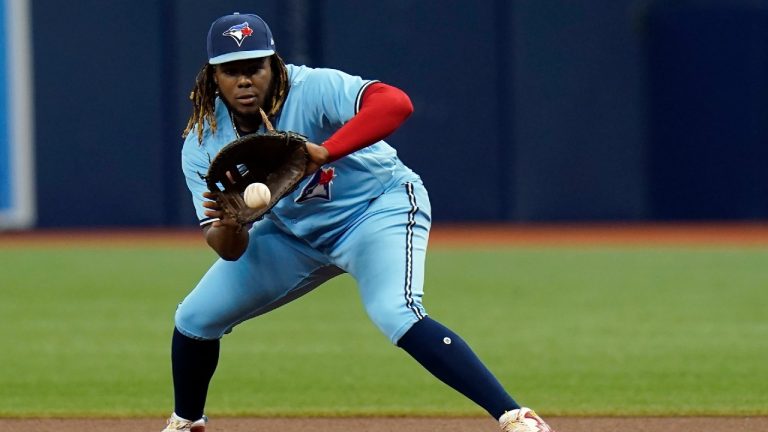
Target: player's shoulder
column 298, row 74
column 193, row 145
column 193, row 153
column 197, row 151
column 305, row 75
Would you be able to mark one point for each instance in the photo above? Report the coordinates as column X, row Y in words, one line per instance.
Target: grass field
column 573, row 330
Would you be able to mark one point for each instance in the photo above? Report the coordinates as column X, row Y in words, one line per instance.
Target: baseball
column 257, row 195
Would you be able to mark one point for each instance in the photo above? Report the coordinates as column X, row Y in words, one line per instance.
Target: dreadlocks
column 203, row 96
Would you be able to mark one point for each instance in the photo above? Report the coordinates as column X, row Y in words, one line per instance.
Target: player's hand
column 318, row 156
column 214, row 211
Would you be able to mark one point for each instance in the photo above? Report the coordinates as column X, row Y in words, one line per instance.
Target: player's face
column 244, row 84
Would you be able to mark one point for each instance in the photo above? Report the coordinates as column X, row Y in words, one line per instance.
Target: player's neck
column 246, row 124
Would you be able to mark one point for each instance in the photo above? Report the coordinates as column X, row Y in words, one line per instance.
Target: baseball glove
column 276, row 158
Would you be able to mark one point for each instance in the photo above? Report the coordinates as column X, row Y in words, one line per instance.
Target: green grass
column 671, row 331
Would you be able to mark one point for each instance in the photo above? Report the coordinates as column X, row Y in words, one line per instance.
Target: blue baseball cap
column 239, row 37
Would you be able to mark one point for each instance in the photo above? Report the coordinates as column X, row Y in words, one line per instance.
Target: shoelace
column 519, row 420
column 179, row 425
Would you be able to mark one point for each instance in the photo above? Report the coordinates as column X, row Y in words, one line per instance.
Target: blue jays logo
column 239, row 32
column 319, row 186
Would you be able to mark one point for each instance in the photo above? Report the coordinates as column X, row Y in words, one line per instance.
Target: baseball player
column 359, row 210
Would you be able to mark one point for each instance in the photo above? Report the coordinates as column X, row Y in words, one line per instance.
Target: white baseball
column 257, row 195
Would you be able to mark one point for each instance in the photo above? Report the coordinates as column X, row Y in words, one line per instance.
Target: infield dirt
column 561, row 424
column 740, row 234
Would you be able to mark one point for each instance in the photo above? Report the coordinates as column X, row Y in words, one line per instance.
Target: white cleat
column 176, row 424
column 523, row 420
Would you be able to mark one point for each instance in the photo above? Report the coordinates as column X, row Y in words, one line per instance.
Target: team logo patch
column 319, row 186
column 239, row 32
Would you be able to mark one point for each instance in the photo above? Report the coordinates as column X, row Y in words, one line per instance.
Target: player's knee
column 197, row 325
column 394, row 322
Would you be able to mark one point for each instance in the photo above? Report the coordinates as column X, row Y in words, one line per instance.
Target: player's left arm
column 383, row 108
column 317, row 157
column 366, row 111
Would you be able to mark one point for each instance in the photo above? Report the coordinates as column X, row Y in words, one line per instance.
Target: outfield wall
column 526, row 110
column 17, row 180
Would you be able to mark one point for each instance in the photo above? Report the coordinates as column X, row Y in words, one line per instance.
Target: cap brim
column 240, row 55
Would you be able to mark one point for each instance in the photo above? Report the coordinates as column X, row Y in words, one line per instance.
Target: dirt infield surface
column 752, row 235
column 561, row 424
column 739, row 234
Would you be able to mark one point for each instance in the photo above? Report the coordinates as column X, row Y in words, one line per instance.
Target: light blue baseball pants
column 384, row 250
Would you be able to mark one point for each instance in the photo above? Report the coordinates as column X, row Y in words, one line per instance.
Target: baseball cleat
column 523, row 420
column 176, row 424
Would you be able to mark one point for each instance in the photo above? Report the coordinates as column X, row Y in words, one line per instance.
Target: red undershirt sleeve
column 383, row 109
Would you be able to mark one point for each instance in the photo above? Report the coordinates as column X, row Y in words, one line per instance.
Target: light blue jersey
column 319, row 102
column 365, row 214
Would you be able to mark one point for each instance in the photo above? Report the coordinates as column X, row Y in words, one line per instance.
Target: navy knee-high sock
column 444, row 354
column 193, row 363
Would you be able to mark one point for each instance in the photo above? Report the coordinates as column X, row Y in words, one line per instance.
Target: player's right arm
column 224, row 235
